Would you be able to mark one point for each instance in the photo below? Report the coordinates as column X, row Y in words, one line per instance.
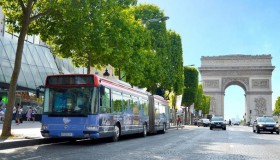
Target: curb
column 29, row 141
column 21, row 143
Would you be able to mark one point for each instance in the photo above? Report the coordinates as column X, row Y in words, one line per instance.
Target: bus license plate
column 67, row 134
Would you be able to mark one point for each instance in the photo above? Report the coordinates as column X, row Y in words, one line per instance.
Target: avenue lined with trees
column 96, row 33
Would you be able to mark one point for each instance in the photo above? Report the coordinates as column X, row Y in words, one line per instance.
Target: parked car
column 265, row 124
column 203, row 122
column 218, row 122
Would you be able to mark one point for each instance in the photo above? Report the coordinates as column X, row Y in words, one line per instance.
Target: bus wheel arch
column 145, row 130
column 116, row 132
column 163, row 128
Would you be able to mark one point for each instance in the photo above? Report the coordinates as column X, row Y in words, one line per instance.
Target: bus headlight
column 92, row 128
column 44, row 127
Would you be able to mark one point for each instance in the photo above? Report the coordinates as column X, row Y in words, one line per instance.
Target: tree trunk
column 88, row 64
column 6, row 131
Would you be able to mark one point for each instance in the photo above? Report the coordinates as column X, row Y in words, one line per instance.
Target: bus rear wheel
column 144, row 134
column 164, row 128
column 116, row 134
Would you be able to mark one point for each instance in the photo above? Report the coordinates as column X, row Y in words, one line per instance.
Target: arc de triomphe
column 250, row 72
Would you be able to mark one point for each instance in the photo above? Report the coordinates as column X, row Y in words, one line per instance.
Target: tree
column 205, row 104
column 175, row 70
column 190, row 86
column 198, row 101
column 158, row 60
column 21, row 18
column 276, row 110
column 103, row 33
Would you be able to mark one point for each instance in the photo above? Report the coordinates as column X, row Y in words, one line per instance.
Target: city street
column 237, row 142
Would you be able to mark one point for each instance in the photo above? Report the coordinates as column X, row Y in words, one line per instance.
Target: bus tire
column 144, row 133
column 164, row 128
column 116, row 134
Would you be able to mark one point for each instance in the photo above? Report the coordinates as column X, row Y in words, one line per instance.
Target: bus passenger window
column 105, row 105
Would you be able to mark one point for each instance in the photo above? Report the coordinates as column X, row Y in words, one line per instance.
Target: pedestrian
column 18, row 114
column 2, row 114
column 33, row 114
column 229, row 122
column 179, row 121
column 28, row 114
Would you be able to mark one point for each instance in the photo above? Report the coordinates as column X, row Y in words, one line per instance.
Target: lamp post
column 106, row 74
column 162, row 19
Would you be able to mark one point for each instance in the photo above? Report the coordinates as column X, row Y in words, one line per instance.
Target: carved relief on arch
column 260, row 83
column 211, row 83
column 234, row 80
column 260, row 106
column 212, row 105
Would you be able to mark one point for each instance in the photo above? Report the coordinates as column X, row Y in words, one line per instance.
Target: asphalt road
column 237, row 142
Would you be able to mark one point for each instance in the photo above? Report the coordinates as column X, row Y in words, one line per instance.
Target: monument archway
column 250, row 72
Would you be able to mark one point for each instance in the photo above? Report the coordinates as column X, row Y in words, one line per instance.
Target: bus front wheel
column 116, row 134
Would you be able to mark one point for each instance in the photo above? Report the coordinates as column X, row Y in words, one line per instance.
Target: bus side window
column 105, row 105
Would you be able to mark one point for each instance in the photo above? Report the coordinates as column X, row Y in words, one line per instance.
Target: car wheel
column 225, row 128
column 277, row 132
column 211, row 128
column 116, row 134
column 254, row 130
column 258, row 130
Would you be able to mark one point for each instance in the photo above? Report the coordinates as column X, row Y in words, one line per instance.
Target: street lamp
column 191, row 65
column 162, row 19
column 106, row 73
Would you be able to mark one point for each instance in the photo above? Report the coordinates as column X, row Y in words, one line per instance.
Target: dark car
column 203, row 122
column 217, row 122
column 265, row 124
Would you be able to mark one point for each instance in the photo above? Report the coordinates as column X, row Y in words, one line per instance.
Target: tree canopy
column 190, row 86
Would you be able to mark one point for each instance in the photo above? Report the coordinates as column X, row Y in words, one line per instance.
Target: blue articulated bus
column 82, row 106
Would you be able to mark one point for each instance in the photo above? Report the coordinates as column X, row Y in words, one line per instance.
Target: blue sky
column 221, row 27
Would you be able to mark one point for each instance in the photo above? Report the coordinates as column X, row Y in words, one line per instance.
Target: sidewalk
column 24, row 131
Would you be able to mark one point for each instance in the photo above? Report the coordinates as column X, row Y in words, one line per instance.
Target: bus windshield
column 70, row 101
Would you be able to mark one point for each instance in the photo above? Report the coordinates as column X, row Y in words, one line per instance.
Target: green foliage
column 198, row 102
column 157, row 62
column 205, row 104
column 102, row 33
column 190, row 86
column 276, row 110
column 175, row 70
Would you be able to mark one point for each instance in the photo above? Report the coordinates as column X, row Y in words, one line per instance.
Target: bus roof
column 118, row 84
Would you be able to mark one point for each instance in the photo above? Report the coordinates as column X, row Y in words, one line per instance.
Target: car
column 203, row 122
column 265, row 124
column 218, row 122
column 236, row 123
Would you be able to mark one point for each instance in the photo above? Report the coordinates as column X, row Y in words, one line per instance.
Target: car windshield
column 217, row 119
column 265, row 119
